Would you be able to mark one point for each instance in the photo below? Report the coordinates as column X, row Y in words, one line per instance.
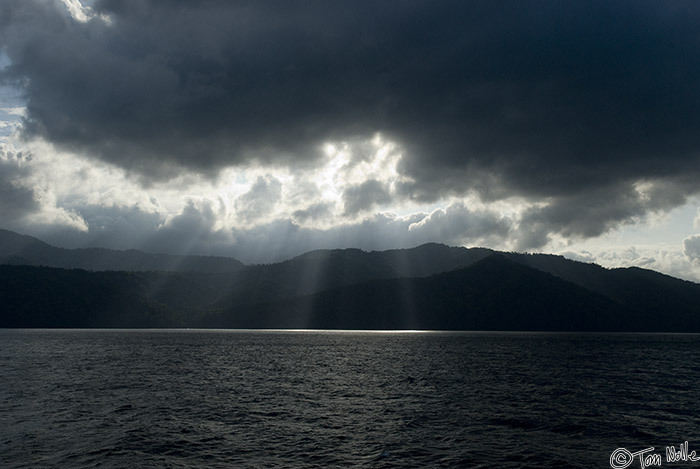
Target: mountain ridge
column 428, row 286
column 431, row 304
column 18, row 249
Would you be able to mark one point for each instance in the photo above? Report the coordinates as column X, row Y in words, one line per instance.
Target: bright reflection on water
column 83, row 398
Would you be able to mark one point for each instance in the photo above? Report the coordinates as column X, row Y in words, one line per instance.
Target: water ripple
column 312, row 399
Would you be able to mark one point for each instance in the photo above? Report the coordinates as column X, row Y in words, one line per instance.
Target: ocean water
column 230, row 399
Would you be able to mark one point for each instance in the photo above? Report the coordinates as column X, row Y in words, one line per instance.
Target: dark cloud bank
column 572, row 104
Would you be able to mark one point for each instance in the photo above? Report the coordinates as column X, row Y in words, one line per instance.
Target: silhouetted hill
column 323, row 269
column 640, row 289
column 421, row 261
column 428, row 287
column 50, row 297
column 493, row 294
column 16, row 249
column 33, row 296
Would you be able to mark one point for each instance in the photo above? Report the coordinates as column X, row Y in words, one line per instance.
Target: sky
column 264, row 129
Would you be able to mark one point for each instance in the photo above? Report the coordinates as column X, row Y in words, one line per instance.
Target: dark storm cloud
column 461, row 225
column 313, row 212
column 364, row 196
column 548, row 100
column 115, row 226
column 598, row 210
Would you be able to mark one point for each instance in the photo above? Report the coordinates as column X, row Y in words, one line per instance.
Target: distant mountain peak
column 16, row 248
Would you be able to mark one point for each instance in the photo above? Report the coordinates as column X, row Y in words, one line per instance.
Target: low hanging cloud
column 260, row 200
column 195, row 230
column 191, row 231
column 691, row 248
column 598, row 211
column 456, row 225
column 111, row 226
column 365, row 196
column 16, row 200
column 461, row 225
column 670, row 260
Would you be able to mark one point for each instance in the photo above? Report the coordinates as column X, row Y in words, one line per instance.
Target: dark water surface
column 174, row 398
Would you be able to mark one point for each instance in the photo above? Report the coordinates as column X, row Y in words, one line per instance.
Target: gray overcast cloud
column 587, row 109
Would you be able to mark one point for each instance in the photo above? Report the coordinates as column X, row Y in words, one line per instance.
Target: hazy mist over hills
column 431, row 286
column 25, row 250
